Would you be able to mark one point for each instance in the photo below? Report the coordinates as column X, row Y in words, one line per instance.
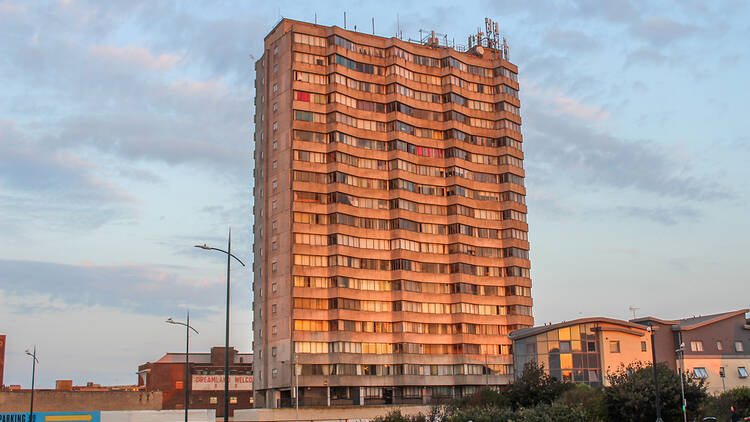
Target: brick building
column 391, row 251
column 206, row 383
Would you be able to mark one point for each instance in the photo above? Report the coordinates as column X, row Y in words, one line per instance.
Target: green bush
column 397, row 416
column 535, row 386
column 543, row 412
column 718, row 406
column 590, row 398
column 630, row 396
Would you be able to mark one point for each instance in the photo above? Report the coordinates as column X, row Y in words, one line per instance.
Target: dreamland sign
column 216, row 382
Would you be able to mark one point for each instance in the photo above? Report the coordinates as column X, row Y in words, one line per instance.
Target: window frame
column 700, row 372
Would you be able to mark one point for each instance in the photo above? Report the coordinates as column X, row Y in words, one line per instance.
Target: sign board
column 52, row 417
column 216, row 382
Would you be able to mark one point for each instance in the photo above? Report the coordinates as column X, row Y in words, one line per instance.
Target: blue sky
column 126, row 138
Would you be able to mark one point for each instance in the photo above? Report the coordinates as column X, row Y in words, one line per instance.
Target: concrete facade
column 391, row 250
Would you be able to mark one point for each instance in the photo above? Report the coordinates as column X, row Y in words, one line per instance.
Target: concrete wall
column 51, row 400
column 328, row 414
column 630, row 351
column 198, row 415
column 712, row 365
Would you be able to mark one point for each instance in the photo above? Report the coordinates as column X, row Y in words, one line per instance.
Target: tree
column 535, row 386
column 587, row 397
column 630, row 397
column 718, row 406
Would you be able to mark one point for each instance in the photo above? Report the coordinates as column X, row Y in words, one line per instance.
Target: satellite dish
column 480, row 50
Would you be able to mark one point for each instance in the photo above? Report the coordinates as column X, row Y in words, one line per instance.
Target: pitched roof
column 692, row 322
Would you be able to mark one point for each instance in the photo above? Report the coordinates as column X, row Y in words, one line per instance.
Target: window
column 275, row 126
column 643, row 346
column 274, row 330
column 275, row 204
column 274, row 373
column 700, row 372
column 232, row 400
column 178, row 385
column 274, row 267
column 275, row 225
column 275, row 107
column 275, row 50
column 275, row 87
column 275, row 185
column 273, row 308
column 274, row 287
column 742, row 371
column 275, row 164
column 738, row 346
column 614, row 346
column 213, row 400
column 719, row 346
column 273, row 349
column 275, row 144
column 274, row 245
column 275, row 67
column 696, row 346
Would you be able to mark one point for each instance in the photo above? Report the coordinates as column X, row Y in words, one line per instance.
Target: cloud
column 579, row 110
column 662, row 30
column 144, row 289
column 582, row 154
column 570, row 40
column 131, row 55
column 662, row 215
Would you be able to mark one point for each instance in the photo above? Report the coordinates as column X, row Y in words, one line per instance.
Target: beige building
column 583, row 350
column 715, row 347
column 391, row 251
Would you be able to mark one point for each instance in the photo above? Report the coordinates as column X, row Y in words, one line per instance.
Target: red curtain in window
column 303, row 96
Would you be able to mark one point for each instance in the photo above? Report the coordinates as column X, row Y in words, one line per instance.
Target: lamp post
column 229, row 254
column 187, row 361
column 33, row 375
column 681, row 353
column 656, row 382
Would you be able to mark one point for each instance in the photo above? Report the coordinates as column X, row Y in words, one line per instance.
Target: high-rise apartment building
column 391, row 251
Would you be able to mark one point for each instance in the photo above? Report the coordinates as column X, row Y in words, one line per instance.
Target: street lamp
column 187, row 361
column 228, row 252
column 33, row 375
column 681, row 352
column 653, row 366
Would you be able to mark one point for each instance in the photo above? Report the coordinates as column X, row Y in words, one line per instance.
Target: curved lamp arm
column 172, row 321
column 208, row 248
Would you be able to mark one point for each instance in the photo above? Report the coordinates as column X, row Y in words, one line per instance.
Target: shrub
column 630, row 397
column 718, row 406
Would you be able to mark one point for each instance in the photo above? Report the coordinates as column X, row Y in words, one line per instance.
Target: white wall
column 197, row 415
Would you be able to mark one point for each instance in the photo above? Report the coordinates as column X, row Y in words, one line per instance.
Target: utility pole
column 656, row 382
column 33, row 376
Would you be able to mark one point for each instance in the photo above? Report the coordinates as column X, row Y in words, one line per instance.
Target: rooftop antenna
column 633, row 309
column 373, row 26
column 398, row 27
column 316, row 18
column 344, row 20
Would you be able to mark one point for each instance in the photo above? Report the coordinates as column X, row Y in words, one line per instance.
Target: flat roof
column 532, row 331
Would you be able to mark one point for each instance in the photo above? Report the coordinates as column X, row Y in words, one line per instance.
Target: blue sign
column 52, row 417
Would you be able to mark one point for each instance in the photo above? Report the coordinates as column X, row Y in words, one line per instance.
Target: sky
column 126, row 138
